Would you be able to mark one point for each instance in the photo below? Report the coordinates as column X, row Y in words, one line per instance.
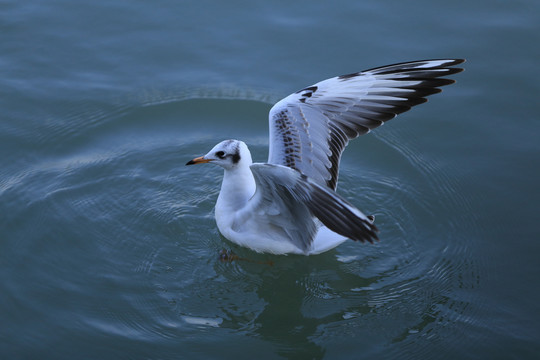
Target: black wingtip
column 369, row 233
column 403, row 67
column 190, row 162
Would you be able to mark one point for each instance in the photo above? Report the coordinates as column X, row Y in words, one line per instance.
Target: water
column 108, row 244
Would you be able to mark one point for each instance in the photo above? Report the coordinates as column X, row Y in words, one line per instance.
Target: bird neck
column 237, row 188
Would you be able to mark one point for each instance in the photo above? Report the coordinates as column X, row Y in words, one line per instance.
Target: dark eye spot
column 236, row 158
column 220, row 154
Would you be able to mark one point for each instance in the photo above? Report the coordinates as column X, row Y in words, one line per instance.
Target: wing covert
column 292, row 201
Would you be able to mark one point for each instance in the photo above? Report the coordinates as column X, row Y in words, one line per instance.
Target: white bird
column 289, row 204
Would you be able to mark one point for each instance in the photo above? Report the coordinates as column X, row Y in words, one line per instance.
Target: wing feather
column 310, row 128
column 298, row 201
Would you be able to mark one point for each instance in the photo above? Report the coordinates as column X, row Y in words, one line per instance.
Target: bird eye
column 220, row 154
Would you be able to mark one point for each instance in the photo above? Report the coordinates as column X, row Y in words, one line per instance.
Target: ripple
column 157, row 97
column 423, row 270
column 202, row 321
column 128, row 243
column 448, row 194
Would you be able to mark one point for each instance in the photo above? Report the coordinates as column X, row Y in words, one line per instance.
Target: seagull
column 289, row 205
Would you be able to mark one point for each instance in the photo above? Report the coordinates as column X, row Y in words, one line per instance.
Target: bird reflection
column 295, row 310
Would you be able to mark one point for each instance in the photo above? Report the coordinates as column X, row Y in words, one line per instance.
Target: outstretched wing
column 290, row 201
column 310, row 128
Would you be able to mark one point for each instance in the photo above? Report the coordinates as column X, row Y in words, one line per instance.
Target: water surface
column 108, row 244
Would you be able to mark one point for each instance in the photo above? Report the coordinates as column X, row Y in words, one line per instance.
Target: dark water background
column 108, row 247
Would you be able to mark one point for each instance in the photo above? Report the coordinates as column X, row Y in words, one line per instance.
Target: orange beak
column 198, row 160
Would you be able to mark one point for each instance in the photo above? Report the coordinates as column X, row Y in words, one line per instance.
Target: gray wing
column 291, row 201
column 310, row 128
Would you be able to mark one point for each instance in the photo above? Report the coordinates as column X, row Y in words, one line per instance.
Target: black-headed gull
column 289, row 204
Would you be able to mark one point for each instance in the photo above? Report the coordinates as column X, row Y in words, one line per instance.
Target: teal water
column 108, row 246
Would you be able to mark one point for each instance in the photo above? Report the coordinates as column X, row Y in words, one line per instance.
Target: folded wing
column 291, row 201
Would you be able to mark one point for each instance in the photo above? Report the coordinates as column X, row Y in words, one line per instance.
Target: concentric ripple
column 139, row 260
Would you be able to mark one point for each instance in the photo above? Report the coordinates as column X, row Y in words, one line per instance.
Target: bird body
column 289, row 204
column 269, row 229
